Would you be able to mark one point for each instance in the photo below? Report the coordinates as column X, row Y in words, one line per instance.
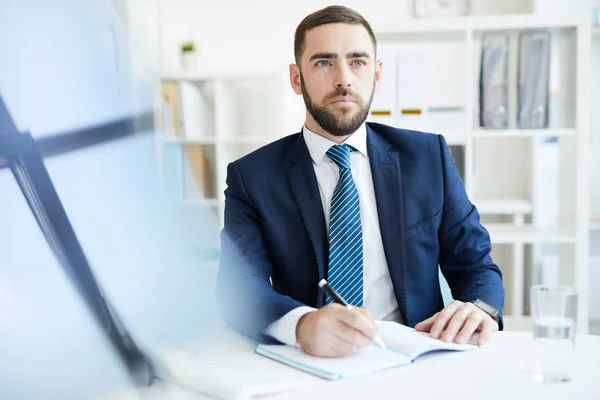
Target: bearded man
column 377, row 211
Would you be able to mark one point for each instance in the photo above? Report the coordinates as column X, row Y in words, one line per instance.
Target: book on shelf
column 171, row 121
column 198, row 176
column 183, row 112
column 186, row 111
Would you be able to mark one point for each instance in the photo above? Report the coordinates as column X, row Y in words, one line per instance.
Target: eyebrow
column 330, row 56
column 357, row 54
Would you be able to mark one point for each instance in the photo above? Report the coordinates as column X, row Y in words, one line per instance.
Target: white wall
column 139, row 18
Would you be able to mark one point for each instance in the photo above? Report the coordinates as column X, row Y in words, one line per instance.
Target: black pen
column 338, row 299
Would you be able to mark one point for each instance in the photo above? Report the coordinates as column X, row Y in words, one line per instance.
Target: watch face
column 486, row 307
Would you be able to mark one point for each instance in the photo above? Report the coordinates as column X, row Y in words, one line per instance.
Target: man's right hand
column 335, row 331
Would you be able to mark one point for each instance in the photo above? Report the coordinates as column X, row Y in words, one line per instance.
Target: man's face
column 337, row 77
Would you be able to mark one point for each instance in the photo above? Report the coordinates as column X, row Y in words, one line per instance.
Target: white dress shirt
column 378, row 293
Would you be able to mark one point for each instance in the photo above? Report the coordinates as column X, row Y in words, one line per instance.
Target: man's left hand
column 457, row 322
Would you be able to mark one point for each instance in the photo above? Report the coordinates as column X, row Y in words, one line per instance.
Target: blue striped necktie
column 345, row 271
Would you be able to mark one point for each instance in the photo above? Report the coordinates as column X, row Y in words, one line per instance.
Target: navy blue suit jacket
column 275, row 231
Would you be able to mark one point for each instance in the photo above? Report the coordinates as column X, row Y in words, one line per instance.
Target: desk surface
column 498, row 370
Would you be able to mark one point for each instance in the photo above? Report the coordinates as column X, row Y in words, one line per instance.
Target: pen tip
column 322, row 283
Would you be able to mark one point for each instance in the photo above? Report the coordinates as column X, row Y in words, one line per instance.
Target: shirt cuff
column 284, row 329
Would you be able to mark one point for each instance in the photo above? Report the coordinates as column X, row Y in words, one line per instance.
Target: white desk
column 496, row 371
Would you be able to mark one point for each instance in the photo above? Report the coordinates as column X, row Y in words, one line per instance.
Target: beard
column 344, row 125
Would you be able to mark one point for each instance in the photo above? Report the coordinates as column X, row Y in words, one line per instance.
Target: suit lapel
column 305, row 188
column 387, row 182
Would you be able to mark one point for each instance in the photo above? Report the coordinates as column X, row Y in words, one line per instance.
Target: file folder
column 493, row 82
column 534, row 80
column 446, row 72
column 412, row 87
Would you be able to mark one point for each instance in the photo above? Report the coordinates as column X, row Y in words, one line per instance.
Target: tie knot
column 340, row 154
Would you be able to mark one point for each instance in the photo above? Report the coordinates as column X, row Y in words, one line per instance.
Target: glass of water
column 554, row 316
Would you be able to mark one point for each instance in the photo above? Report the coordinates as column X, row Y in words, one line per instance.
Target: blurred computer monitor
column 145, row 253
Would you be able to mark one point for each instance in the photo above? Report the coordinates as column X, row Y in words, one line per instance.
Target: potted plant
column 188, row 56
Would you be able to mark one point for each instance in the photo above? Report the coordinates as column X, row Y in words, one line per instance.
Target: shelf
column 473, row 23
column 500, row 133
column 510, row 234
column 503, row 206
column 190, row 141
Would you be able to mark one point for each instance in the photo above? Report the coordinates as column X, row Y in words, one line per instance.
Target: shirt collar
column 318, row 145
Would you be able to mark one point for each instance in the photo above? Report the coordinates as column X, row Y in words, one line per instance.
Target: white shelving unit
column 501, row 170
column 247, row 110
column 505, row 170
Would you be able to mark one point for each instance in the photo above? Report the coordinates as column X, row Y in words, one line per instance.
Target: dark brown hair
column 328, row 15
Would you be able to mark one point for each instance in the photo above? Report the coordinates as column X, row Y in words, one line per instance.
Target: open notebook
column 404, row 344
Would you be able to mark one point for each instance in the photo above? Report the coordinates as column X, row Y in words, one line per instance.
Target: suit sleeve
column 245, row 298
column 465, row 246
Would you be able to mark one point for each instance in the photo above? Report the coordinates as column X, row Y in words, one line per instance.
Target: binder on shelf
column 171, row 125
column 412, row 87
column 444, row 110
column 188, row 173
column 430, row 98
column 184, row 116
column 534, row 79
column 493, row 81
column 186, row 111
column 198, row 174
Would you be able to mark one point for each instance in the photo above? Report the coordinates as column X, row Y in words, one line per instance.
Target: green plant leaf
column 187, row 46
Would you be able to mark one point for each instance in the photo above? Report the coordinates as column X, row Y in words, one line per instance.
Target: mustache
column 345, row 92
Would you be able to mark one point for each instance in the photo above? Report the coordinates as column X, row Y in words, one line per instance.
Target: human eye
column 359, row 63
column 322, row 63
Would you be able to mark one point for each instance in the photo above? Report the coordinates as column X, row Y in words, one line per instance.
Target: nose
column 343, row 77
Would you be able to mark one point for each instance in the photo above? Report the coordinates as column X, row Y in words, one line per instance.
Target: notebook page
column 367, row 360
column 408, row 341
